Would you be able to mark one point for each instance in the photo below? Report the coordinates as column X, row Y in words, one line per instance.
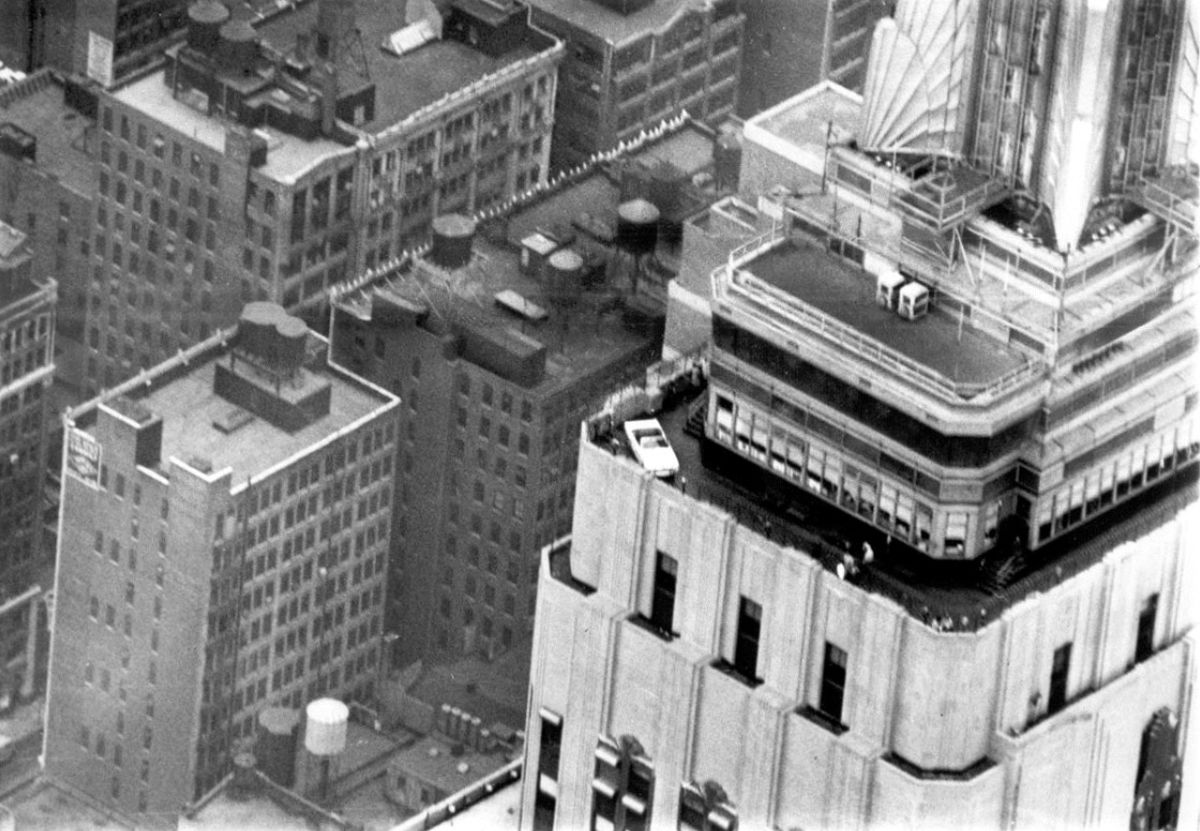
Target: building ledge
column 725, row 667
column 644, row 623
column 822, row 719
column 918, row 772
column 559, row 561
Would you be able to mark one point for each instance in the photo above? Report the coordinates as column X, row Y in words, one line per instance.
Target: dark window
column 1058, row 678
column 1145, row 630
column 833, row 682
column 662, row 606
column 745, row 651
column 547, row 784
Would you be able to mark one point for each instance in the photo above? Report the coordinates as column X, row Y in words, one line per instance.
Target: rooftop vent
column 232, row 419
column 517, row 304
column 913, row 301
column 887, row 289
column 413, row 36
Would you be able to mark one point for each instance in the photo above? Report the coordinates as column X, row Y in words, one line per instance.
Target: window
column 622, row 787
column 833, row 682
column 705, row 809
column 1159, row 775
column 1145, row 629
column 745, row 651
column 1058, row 678
column 550, row 749
column 662, row 604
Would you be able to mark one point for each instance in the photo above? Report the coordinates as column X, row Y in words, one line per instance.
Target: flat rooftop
column 588, row 337
column 38, row 107
column 596, row 195
column 288, row 157
column 824, row 112
column 937, row 341
column 403, row 84
column 968, row 594
column 430, row 760
column 612, row 26
column 182, row 394
column 44, row 806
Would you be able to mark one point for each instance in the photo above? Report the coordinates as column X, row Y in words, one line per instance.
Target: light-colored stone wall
column 939, row 701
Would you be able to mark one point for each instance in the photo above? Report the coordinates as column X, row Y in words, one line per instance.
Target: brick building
column 225, row 526
column 491, row 395
column 27, row 305
column 276, row 154
column 630, row 64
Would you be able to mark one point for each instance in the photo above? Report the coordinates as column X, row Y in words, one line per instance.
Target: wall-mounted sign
column 83, row 457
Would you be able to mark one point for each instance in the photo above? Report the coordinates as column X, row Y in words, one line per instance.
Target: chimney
column 335, row 21
column 302, row 41
column 329, row 92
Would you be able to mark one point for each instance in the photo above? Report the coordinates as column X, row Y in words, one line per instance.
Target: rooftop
column 403, row 84
column 431, row 760
column 44, row 806
column 37, row 105
column 498, row 811
column 288, row 157
column 494, row 691
column 958, row 595
column 832, row 286
column 467, row 296
column 824, row 112
column 612, row 26
column 181, row 392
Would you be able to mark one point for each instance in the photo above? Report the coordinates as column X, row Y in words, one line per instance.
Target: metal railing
column 1171, row 205
column 851, row 340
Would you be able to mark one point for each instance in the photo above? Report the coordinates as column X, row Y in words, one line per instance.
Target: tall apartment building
column 267, row 161
column 224, row 532
column 927, row 560
column 495, row 369
column 630, row 64
column 47, row 167
column 27, row 304
column 103, row 39
column 790, row 45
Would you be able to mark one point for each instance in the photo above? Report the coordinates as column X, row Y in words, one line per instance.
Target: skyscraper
column 926, row 560
column 224, row 529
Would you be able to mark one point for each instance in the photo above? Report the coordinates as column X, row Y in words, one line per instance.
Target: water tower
column 324, row 740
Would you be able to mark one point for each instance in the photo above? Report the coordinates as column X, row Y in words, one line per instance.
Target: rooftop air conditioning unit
column 887, row 289
column 914, row 301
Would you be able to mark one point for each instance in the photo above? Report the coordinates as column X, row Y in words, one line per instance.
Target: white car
column 651, row 448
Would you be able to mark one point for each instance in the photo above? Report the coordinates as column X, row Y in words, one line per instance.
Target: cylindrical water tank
column 205, row 18
column 239, row 45
column 666, row 187
column 291, row 334
column 244, row 780
column 325, row 733
column 256, row 326
column 275, row 744
column 564, row 274
column 453, row 235
column 637, row 226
